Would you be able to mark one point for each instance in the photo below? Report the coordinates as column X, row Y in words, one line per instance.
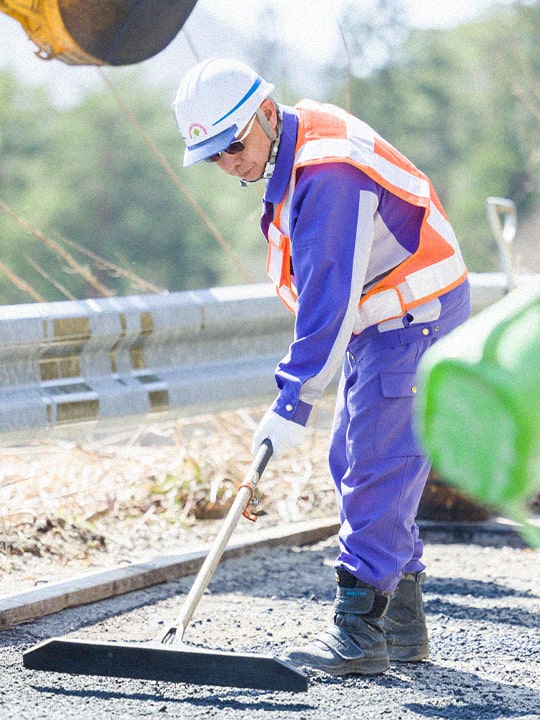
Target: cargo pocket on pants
column 394, row 433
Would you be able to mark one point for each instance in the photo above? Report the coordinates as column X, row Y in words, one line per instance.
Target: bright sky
column 320, row 34
column 315, row 33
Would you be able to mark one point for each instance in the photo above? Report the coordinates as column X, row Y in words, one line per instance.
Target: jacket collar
column 278, row 183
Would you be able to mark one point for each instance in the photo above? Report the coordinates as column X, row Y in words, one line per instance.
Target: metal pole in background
column 504, row 232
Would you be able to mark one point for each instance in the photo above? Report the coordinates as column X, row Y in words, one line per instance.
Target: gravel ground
column 482, row 602
column 71, row 507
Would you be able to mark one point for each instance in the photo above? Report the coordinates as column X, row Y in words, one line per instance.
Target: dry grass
column 68, row 507
column 147, row 490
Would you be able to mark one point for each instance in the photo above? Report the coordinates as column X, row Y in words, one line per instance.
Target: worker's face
column 249, row 164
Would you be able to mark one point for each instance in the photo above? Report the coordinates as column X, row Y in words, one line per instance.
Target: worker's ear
column 270, row 113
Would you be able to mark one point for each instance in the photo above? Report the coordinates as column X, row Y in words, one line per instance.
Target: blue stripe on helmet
column 249, row 93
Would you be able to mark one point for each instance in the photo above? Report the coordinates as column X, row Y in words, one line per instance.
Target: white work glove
column 285, row 435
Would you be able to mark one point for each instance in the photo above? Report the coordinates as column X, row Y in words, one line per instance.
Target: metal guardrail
column 88, row 361
column 92, row 360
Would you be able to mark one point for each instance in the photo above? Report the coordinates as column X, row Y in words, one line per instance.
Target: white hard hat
column 214, row 102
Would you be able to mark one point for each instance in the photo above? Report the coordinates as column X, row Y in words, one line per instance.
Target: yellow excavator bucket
column 99, row 32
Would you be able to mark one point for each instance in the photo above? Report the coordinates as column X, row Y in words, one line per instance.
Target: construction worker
column 360, row 249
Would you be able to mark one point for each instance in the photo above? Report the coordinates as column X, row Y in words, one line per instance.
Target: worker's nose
column 229, row 162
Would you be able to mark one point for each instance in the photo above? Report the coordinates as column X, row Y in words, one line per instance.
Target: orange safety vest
column 328, row 134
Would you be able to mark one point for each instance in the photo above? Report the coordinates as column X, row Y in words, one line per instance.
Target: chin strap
column 274, row 136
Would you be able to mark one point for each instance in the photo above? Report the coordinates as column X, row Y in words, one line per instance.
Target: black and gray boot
column 356, row 643
column 405, row 621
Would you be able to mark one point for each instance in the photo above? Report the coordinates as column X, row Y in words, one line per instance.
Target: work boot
column 405, row 621
column 356, row 643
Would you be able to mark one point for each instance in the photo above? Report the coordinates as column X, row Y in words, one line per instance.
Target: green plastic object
column 478, row 409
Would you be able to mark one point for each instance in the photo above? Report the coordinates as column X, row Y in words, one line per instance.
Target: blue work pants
column 376, row 462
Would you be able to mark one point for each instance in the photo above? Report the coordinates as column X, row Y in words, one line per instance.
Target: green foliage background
column 463, row 104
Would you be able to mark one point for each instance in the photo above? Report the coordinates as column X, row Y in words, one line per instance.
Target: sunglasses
column 235, row 147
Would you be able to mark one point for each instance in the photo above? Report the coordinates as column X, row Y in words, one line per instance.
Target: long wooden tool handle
column 176, row 632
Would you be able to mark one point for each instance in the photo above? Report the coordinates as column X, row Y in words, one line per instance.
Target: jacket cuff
column 298, row 414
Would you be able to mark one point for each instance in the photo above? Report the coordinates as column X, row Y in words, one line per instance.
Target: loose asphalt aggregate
column 482, row 600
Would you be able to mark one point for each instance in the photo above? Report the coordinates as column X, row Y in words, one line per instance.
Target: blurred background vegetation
column 103, row 175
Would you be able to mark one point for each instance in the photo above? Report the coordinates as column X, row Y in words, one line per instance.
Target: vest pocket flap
column 396, row 385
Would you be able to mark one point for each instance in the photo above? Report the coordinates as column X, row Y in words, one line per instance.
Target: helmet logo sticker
column 196, row 130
